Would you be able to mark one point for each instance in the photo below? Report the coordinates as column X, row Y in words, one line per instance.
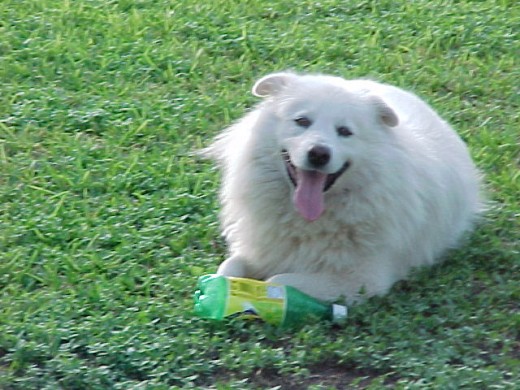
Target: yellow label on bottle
column 256, row 299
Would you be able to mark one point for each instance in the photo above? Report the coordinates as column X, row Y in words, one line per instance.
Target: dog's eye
column 344, row 131
column 303, row 122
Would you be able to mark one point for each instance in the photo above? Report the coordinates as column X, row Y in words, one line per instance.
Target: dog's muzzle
column 317, row 157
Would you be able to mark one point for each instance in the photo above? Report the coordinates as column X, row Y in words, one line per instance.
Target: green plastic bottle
column 220, row 296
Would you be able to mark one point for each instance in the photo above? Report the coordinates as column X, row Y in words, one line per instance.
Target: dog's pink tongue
column 308, row 196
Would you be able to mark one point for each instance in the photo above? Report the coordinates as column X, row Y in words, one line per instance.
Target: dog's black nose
column 318, row 155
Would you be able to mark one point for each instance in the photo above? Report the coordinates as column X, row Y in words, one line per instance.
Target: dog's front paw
column 234, row 266
column 290, row 279
column 320, row 286
column 326, row 287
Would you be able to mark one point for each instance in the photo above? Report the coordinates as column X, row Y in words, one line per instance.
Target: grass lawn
column 107, row 219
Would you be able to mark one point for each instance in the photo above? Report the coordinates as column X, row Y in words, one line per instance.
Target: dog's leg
column 233, row 266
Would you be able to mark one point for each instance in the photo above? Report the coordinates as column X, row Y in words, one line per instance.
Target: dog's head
column 323, row 128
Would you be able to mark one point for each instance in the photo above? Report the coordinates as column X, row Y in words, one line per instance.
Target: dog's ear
column 272, row 84
column 386, row 114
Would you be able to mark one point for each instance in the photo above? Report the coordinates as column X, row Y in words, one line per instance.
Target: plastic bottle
column 220, row 296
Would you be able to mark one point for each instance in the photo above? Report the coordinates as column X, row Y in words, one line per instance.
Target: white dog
column 340, row 187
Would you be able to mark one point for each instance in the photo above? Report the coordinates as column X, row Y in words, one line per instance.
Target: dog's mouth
column 292, row 172
column 310, row 185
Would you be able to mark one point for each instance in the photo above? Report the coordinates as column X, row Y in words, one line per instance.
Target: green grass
column 107, row 219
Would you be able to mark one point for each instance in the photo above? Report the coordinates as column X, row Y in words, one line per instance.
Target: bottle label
column 256, row 299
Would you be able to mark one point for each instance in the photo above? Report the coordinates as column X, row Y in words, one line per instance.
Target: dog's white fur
column 410, row 192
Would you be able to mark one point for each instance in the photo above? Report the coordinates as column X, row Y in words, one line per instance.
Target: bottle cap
column 339, row 312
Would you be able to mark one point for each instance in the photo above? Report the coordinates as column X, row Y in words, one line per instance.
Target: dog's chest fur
column 279, row 240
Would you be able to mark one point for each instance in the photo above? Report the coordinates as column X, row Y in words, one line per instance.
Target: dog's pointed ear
column 272, row 84
column 386, row 113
